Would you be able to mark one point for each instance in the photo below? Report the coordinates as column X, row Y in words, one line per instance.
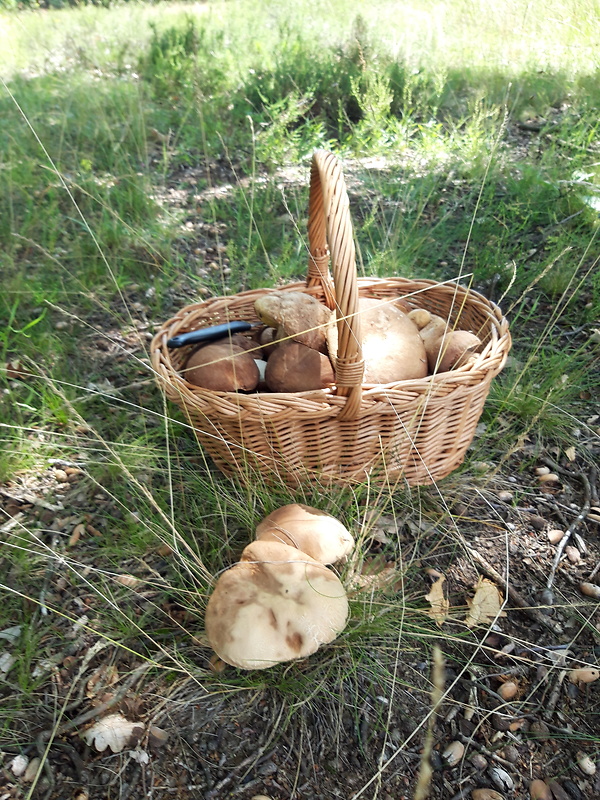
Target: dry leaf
column 439, row 604
column 103, row 678
column 128, row 580
column 376, row 573
column 571, row 453
column 113, row 731
column 484, row 607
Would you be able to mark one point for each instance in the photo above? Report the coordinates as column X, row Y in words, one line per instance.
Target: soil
column 362, row 731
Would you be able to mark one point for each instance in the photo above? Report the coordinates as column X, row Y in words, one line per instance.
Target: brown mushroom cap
column 276, row 604
column 455, row 349
column 320, row 535
column 294, row 367
column 446, row 347
column 297, row 315
column 222, row 367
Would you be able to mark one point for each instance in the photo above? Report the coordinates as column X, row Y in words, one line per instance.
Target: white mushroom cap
column 276, row 604
column 314, row 532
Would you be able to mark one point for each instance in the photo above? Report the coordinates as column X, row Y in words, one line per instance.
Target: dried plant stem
column 437, row 692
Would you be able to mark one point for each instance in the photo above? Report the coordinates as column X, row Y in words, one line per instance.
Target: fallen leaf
column 11, row 634
column 484, row 607
column 113, row 731
column 439, row 604
column 7, row 662
column 376, row 573
column 157, row 737
column 571, row 453
column 127, row 580
column 18, row 765
column 103, row 678
column 32, row 770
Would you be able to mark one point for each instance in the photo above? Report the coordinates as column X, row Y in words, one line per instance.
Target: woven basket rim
column 491, row 358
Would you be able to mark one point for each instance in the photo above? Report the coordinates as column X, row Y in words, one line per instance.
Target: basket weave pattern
column 417, row 431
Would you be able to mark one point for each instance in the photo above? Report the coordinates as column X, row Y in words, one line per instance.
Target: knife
column 213, row 332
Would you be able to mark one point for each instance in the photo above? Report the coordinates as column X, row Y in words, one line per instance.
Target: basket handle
column 330, row 236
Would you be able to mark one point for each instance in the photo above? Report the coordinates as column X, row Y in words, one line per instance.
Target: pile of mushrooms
column 280, row 601
column 296, row 349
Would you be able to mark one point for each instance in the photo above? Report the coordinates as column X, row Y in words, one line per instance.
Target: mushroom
column 222, row 367
column 320, row 535
column 295, row 315
column 446, row 348
column 294, row 367
column 266, row 340
column 391, row 346
column 276, row 604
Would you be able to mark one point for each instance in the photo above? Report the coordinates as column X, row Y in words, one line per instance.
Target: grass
column 470, row 141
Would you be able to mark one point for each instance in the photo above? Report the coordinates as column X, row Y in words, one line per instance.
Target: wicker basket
column 417, row 430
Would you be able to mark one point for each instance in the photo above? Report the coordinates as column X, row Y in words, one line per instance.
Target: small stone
column 584, row 675
column 505, row 497
column 76, row 535
column 508, row 690
column 486, row 794
column 61, row 476
column 32, row 770
column 585, row 763
column 540, row 730
column 453, row 753
column 555, row 535
column 539, row 471
column 478, row 761
column 511, row 753
column 550, row 477
column 539, row 523
column 590, row 590
column 538, row 790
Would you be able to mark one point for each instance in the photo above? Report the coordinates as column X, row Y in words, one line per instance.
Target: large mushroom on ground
column 276, row 604
column 320, row 535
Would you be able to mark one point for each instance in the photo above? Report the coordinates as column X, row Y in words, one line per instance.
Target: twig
column 487, row 752
column 254, row 758
column 551, row 704
column 97, row 710
column 585, row 510
column 516, row 597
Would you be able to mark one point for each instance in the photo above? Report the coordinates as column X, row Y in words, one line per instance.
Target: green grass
column 117, row 125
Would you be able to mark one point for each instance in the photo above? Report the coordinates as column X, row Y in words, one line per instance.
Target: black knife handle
column 208, row 334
